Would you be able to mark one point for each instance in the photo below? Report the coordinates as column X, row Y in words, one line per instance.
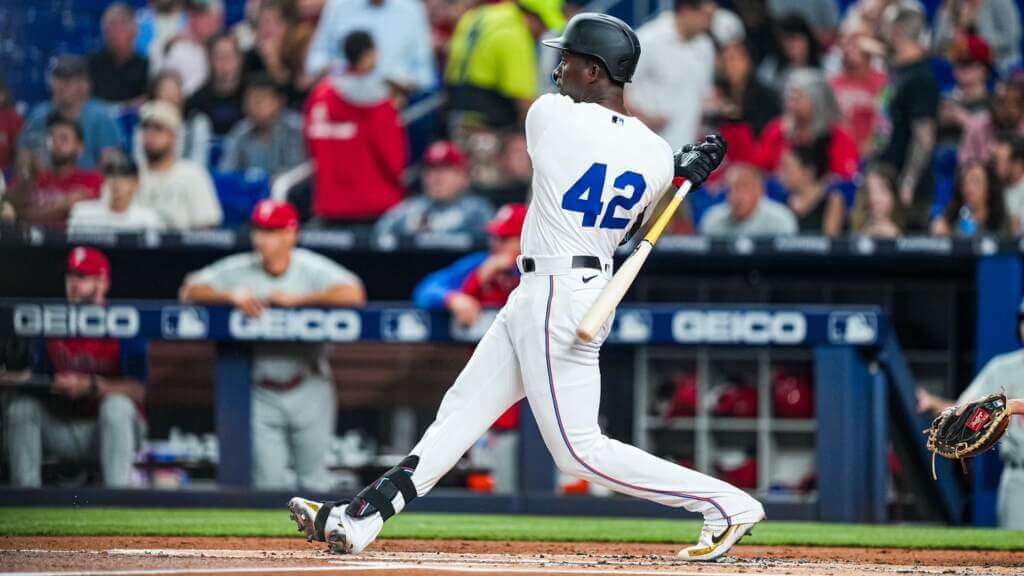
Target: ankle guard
column 389, row 494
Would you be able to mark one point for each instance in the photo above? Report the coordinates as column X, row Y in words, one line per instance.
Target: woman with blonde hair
column 876, row 211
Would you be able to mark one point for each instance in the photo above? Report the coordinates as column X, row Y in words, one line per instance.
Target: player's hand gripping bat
column 692, row 164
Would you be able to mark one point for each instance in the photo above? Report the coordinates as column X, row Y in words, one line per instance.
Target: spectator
column 356, row 140
column 740, row 96
column 158, row 23
column 997, row 21
column 798, row 48
column 186, row 53
column 818, row 210
column 858, row 90
column 398, row 27
column 876, row 211
column 1015, row 186
column 747, row 212
column 978, row 205
column 44, row 197
column 179, row 190
column 69, row 81
column 1005, row 114
column 293, row 399
column 10, row 126
column 116, row 210
column 759, row 28
column 193, row 140
column 447, row 205
column 220, row 99
column 821, row 16
column 270, row 53
column 481, row 279
column 270, row 138
column 682, row 38
column 811, row 117
column 118, row 74
column 491, row 73
column 93, row 407
column 912, row 108
column 971, row 64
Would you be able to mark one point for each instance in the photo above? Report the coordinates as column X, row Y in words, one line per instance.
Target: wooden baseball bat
column 617, row 287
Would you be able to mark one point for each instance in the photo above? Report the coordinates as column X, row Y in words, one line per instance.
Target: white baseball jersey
column 595, row 171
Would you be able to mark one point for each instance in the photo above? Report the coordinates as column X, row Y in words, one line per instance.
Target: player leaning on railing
column 597, row 170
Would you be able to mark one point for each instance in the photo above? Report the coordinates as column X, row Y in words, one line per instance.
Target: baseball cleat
column 713, row 545
column 304, row 514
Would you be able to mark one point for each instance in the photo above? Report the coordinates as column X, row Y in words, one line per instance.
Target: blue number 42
column 584, row 196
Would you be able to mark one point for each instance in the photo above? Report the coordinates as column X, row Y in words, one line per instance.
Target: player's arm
column 334, row 296
column 195, row 291
column 693, row 162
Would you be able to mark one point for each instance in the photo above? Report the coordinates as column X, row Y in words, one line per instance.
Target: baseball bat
column 617, row 287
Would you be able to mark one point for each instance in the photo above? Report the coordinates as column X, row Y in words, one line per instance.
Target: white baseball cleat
column 714, row 544
column 304, row 514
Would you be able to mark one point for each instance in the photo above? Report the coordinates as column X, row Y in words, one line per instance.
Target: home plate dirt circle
column 104, row 556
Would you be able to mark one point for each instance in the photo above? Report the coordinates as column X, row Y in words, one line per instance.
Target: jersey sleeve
column 223, row 274
column 983, row 385
column 541, row 116
column 326, row 273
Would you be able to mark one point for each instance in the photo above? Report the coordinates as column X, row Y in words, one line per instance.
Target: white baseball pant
column 531, row 350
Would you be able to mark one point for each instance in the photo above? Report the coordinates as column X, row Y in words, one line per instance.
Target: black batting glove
column 696, row 162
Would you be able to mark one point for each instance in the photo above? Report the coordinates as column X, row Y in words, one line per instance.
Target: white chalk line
column 369, row 566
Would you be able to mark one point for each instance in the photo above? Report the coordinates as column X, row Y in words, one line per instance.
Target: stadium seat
column 238, row 192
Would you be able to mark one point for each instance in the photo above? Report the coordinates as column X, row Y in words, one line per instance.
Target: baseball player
column 597, row 170
column 293, row 401
column 1003, row 373
column 94, row 405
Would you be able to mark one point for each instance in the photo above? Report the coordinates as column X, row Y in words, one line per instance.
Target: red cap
column 972, row 48
column 88, row 262
column 508, row 222
column 444, row 153
column 274, row 215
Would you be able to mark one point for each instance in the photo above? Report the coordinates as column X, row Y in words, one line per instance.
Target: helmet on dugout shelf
column 604, row 37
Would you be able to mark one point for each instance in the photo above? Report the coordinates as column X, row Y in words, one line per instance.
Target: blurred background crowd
column 403, row 117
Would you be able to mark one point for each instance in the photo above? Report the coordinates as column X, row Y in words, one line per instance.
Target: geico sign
column 692, row 326
column 83, row 321
column 308, row 325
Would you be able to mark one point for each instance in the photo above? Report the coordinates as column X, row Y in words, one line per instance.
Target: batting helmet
column 604, row 37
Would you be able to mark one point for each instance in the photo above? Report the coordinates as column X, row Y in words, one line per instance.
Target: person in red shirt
column 93, row 407
column 356, row 139
column 10, row 126
column 44, row 197
column 811, row 115
column 858, row 89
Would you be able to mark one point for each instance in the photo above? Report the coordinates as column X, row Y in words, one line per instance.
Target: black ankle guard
column 321, row 517
column 380, row 496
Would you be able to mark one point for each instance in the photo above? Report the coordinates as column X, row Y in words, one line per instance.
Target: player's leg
column 563, row 383
column 118, row 430
column 24, row 421
column 488, row 385
column 312, row 411
column 270, row 454
column 1010, row 501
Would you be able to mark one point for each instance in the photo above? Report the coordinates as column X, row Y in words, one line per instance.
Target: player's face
column 444, row 183
column 157, row 140
column 744, row 192
column 274, row 246
column 570, row 75
column 263, row 105
column 82, row 289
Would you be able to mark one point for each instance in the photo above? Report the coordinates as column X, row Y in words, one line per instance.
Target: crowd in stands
column 876, row 117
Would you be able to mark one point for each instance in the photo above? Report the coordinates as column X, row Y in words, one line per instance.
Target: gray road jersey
column 308, row 272
column 1003, row 373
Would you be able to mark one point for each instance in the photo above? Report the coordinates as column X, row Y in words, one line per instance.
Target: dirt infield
column 196, row 556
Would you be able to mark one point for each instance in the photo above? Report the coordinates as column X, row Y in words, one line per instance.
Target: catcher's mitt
column 964, row 431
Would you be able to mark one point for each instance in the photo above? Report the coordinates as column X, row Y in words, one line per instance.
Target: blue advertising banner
column 681, row 324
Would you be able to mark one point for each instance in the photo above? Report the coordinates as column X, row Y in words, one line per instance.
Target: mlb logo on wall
column 632, row 326
column 184, row 323
column 405, row 325
column 852, row 328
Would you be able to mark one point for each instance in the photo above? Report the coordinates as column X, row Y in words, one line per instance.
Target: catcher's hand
column 965, row 431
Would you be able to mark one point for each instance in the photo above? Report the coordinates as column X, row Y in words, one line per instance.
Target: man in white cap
column 181, row 191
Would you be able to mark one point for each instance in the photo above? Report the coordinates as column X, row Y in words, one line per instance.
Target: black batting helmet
column 604, row 37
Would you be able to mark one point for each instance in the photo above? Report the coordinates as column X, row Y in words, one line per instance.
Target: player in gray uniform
column 1003, row 373
column 293, row 406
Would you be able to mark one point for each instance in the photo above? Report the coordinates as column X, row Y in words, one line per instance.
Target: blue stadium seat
column 238, row 193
